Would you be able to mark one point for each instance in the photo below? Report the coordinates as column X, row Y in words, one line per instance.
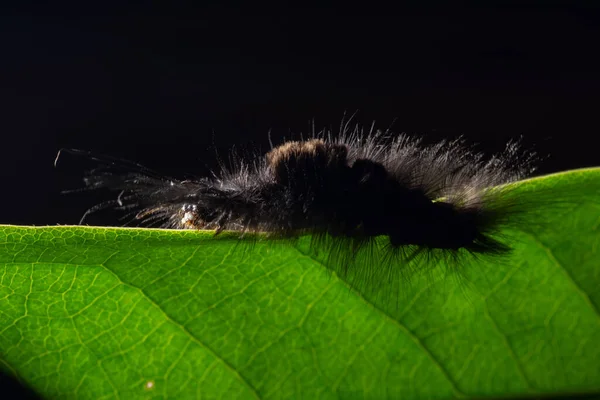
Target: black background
column 162, row 86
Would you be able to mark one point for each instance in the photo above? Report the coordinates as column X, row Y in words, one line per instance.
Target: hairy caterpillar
column 389, row 198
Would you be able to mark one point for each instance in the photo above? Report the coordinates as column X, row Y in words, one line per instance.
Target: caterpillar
column 399, row 201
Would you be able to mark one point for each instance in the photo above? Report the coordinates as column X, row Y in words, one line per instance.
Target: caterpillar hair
column 356, row 192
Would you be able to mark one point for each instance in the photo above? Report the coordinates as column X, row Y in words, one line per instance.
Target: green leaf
column 99, row 313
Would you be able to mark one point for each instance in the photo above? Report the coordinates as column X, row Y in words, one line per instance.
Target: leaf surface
column 97, row 313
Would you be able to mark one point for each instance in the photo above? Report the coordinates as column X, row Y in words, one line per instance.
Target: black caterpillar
column 346, row 191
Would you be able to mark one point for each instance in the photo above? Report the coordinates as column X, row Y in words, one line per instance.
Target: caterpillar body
column 356, row 191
